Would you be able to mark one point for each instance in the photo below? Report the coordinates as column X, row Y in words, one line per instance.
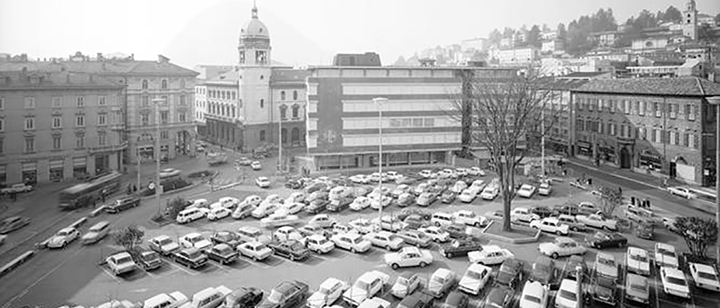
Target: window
column 145, row 101
column 163, row 84
column 57, row 102
column 144, row 84
column 673, row 138
column 57, row 142
column 429, row 122
column 686, row 140
column 145, row 119
column 164, row 134
column 29, row 102
column 80, row 120
column 262, row 103
column 182, row 100
column 2, row 125
column 101, row 100
column 2, row 148
column 580, row 104
column 283, row 112
column 262, row 135
column 29, row 144
column 81, row 101
column 591, row 104
column 612, row 127
column 181, row 117
column 56, row 122
column 690, row 112
column 694, row 141
column 295, row 95
column 641, row 110
column 295, row 111
column 580, row 125
column 233, row 95
column 658, row 136
column 656, row 109
column 164, row 117
column 29, row 123
column 673, row 111
column 102, row 119
column 626, row 107
column 80, row 141
column 2, row 103
column 282, row 95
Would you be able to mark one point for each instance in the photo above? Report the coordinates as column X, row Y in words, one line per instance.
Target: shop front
column 650, row 160
column 146, row 153
column 79, row 167
column 29, row 172
column 607, row 153
column 57, row 170
column 584, row 148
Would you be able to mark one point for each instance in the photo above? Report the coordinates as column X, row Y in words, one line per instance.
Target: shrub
column 200, row 174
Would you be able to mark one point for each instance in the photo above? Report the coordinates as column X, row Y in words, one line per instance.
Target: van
column 441, row 219
column 96, row 233
column 189, row 215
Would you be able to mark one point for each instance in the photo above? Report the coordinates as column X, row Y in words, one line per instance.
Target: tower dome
column 254, row 28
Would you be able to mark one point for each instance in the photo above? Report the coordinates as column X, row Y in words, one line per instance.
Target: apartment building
column 57, row 125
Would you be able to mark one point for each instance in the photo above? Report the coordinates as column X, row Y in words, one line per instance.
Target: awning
column 79, row 161
column 31, row 166
column 57, row 164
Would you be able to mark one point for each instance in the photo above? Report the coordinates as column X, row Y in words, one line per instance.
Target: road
column 72, row 275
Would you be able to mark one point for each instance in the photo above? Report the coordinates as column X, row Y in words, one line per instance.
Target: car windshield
column 357, row 240
column 639, row 258
column 474, row 275
column 606, row 261
column 322, row 241
column 532, row 299
column 667, row 253
column 122, row 260
column 675, row 280
column 706, row 275
column 195, row 239
column 438, row 279
column 568, row 295
column 164, row 241
column 361, row 285
column 149, row 256
column 63, row 232
column 275, row 296
column 194, row 254
column 638, row 287
column 225, row 249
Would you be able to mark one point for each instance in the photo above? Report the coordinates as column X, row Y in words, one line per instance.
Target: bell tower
column 254, row 44
column 690, row 24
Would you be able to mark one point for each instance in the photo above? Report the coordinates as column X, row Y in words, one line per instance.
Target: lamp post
column 158, row 102
column 280, row 142
column 379, row 102
column 715, row 101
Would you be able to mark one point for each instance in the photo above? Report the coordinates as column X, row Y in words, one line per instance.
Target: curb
column 501, row 238
column 16, row 262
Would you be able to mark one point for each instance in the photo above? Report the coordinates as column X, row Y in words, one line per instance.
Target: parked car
column 545, row 189
column 245, row 297
column 163, row 245
column 475, row 278
column 249, row 234
column 230, row 238
column 571, row 222
column 218, row 213
column 318, row 243
column 408, row 257
column 291, row 208
column 526, row 191
column 222, row 253
column 164, row 300
column 597, row 221
column 390, row 223
column 148, row 260
column 329, row 292
column 603, row 290
column 562, row 246
column 244, row 209
column 121, row 263
column 351, row 241
column 16, row 188
column 637, row 290
column 542, row 211
column 279, row 220
column 405, row 284
column 385, row 239
column 490, row 192
column 63, row 237
column 417, row 300
column 406, row 199
column 459, row 248
column 606, row 265
column 468, row 195
column 665, row 255
column 96, row 233
column 682, row 192
column 195, row 240
column 367, row 285
column 436, row 234
column 490, row 255
column 470, row 218
column 360, row 203
column 441, row 282
column 499, row 297
column 522, row 214
column 254, row 250
column 551, row 225
column 337, row 205
column 674, row 282
column 415, row 221
column 286, row 294
column 543, row 271
column 415, row 238
column 316, row 206
column 534, row 295
column 448, row 196
column 292, row 250
column 255, row 165
column 704, row 276
column 602, row 240
column 567, row 295
column 456, row 231
column 13, row 223
column 363, row 226
column 190, row 257
column 210, row 297
column 190, row 215
column 575, row 267
column 588, row 208
column 638, row 261
column 510, row 272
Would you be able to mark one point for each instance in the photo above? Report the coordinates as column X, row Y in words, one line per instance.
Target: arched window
column 163, row 85
column 283, row 135
column 295, row 95
column 295, row 134
column 282, row 95
column 262, row 103
column 295, row 111
column 144, row 84
column 283, row 112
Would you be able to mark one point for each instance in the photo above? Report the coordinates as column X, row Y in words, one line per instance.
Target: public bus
column 90, row 192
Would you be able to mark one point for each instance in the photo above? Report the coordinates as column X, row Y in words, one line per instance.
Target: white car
column 673, row 282
column 523, row 215
column 526, row 191
column 367, row 285
column 385, row 201
column 400, row 189
column 475, row 278
column 297, row 196
column 279, row 220
column 329, row 292
column 197, row 203
column 292, row 208
column 374, row 302
column 209, row 297
column 461, row 171
column 665, row 255
column 287, row 233
column 164, row 300
column 551, row 225
column 467, row 195
column 427, row 174
column 638, row 261
column 476, row 171
column 262, row 182
column 490, row 192
column 271, row 199
column 562, row 246
column 385, row 239
column 63, row 237
column 363, row 226
column 408, row 257
column 545, row 189
column 360, row 179
column 218, row 213
column 121, row 263
column 195, row 240
column 490, row 255
column 264, row 209
column 163, row 245
column 254, row 250
column 229, row 202
column 390, row 223
column 252, row 234
column 318, row 243
column 534, row 295
column 567, row 296
column 458, row 187
column 360, row 203
column 322, row 221
column 597, row 221
column 351, row 241
column 470, row 218
column 682, row 192
column 478, row 186
column 436, row 233
column 255, row 165
column 406, row 284
column 705, row 276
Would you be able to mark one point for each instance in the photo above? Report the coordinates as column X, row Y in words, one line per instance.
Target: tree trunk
column 505, row 189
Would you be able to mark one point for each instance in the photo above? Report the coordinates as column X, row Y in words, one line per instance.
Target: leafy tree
column 533, row 36
column 699, row 233
column 508, row 32
column 174, row 206
column 717, row 18
column 609, row 199
column 494, row 37
column 671, row 14
column 561, row 32
column 129, row 236
column 500, row 112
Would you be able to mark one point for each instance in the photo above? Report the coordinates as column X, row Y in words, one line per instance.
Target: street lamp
column 715, row 101
column 379, row 102
column 158, row 102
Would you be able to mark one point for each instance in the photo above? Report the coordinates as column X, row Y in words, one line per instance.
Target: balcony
column 108, row 148
column 625, row 140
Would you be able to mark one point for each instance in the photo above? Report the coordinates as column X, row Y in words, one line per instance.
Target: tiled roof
column 584, row 74
column 108, row 67
column 53, row 80
column 561, row 84
column 683, row 86
column 289, row 75
column 230, row 76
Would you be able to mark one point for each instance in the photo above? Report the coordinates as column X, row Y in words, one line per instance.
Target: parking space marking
column 109, row 273
column 183, row 269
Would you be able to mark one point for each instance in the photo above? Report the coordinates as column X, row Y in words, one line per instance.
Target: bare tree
column 609, row 199
column 498, row 113
column 129, row 237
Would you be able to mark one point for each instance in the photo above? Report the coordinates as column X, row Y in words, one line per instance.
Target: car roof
column 564, row 240
column 636, row 251
column 636, row 279
column 68, row 229
column 568, row 284
column 533, row 287
column 444, row 272
column 703, row 267
column 551, row 219
column 330, row 282
column 674, row 272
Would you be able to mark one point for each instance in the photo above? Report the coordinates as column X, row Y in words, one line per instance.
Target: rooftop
column 53, row 80
column 683, row 86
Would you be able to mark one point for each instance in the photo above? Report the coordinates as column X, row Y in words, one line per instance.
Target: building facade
column 662, row 126
column 56, row 125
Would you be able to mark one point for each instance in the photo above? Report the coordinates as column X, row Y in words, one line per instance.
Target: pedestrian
column 564, row 172
column 665, row 182
column 620, row 190
column 134, row 188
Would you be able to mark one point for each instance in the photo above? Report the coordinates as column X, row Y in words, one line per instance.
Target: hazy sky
column 303, row 32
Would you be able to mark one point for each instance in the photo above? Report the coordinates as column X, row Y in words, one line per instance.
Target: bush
column 174, row 206
column 200, row 174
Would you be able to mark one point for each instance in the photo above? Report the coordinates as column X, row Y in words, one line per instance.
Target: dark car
column 294, row 184
column 122, row 204
column 190, row 257
column 222, row 253
column 287, row 294
column 448, row 196
column 407, row 212
column 243, row 298
column 230, row 238
column 455, row 299
column 499, row 297
column 338, row 205
column 316, row 206
column 13, row 223
column 459, row 248
column 147, row 259
column 456, row 231
column 602, row 290
column 602, row 240
column 291, row 249
column 571, row 267
column 315, row 187
column 415, row 221
column 543, row 270
column 567, row 210
column 417, row 300
column 510, row 272
column 542, row 211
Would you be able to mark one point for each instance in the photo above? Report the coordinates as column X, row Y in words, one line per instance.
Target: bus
column 90, row 192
